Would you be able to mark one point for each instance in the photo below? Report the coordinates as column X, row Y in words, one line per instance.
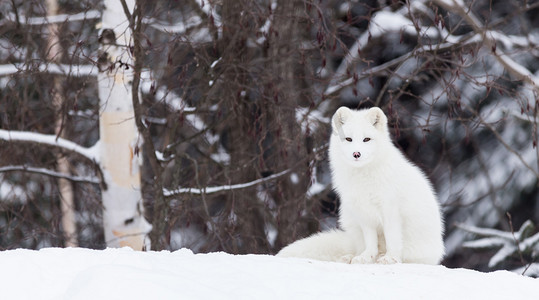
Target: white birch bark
column 67, row 205
column 123, row 218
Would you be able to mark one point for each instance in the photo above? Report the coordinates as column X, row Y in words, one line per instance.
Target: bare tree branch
column 51, row 140
column 223, row 188
column 43, row 171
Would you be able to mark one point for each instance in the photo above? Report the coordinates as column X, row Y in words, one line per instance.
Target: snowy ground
column 125, row 274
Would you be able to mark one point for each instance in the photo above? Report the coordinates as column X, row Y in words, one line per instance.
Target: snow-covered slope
column 125, row 274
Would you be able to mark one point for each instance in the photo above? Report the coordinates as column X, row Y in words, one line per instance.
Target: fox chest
column 366, row 205
column 365, row 202
column 365, row 190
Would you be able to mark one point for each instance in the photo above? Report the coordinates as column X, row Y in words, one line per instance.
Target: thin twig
column 528, row 265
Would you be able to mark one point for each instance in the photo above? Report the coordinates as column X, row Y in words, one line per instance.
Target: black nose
column 356, row 155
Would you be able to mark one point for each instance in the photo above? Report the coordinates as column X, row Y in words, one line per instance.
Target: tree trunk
column 247, row 212
column 123, row 217
column 290, row 151
column 54, row 55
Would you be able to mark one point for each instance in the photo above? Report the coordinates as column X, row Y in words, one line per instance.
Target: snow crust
column 76, row 273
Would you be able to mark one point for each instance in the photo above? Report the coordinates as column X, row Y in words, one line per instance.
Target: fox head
column 359, row 135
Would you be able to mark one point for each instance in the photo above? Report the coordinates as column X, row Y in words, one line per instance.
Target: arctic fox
column 389, row 212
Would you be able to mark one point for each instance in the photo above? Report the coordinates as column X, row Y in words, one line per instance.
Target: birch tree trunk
column 123, row 216
column 54, row 55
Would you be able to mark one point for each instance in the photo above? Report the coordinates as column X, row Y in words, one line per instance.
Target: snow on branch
column 87, row 15
column 51, row 140
column 265, row 29
column 208, row 8
column 518, row 70
column 384, row 22
column 51, row 173
column 381, row 23
column 175, row 102
column 490, row 38
column 511, row 244
column 58, row 69
column 531, row 270
column 179, row 28
column 460, row 40
column 216, row 189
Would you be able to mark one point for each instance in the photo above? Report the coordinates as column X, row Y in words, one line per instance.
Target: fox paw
column 388, row 259
column 345, row 259
column 364, row 258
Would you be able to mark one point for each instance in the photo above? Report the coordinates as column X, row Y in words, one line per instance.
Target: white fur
column 389, row 212
column 327, row 246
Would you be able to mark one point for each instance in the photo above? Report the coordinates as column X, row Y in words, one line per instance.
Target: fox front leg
column 368, row 256
column 393, row 237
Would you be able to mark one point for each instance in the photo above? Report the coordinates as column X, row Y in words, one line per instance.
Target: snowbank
column 125, row 274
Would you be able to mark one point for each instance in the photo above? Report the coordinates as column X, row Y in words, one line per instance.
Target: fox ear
column 377, row 118
column 339, row 118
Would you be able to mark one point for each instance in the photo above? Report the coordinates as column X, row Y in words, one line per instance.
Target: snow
column 221, row 157
column 316, row 188
column 11, row 192
column 161, row 94
column 310, row 119
column 265, row 29
column 386, row 21
column 76, row 273
column 518, row 70
column 510, row 41
column 294, row 178
column 207, row 8
column 213, row 64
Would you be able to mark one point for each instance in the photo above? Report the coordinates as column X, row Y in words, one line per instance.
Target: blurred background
column 236, row 98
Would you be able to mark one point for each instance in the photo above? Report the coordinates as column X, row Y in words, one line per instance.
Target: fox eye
column 348, row 139
column 366, row 140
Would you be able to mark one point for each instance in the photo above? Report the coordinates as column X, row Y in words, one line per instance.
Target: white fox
column 389, row 212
